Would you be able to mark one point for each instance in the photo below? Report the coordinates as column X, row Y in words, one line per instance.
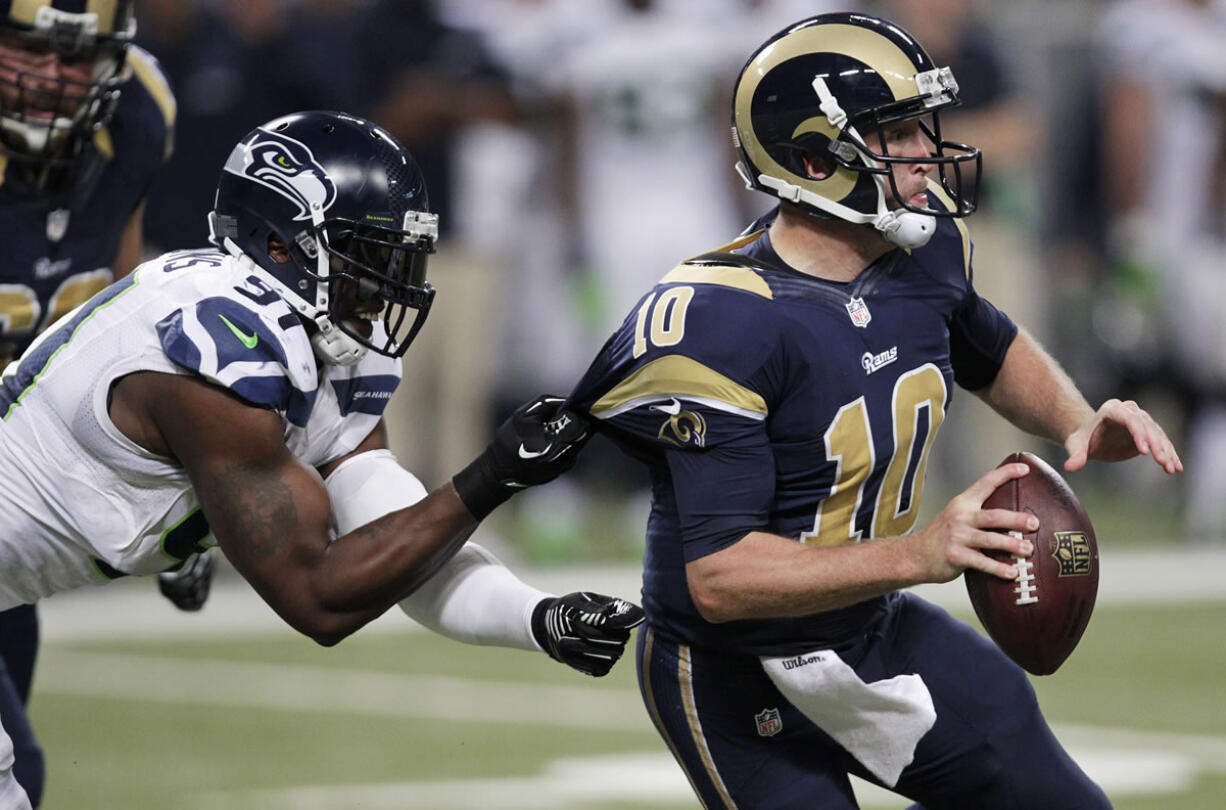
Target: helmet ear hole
column 817, row 166
column 278, row 250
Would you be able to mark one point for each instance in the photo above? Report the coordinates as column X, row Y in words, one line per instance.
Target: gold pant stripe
column 686, row 681
column 650, row 699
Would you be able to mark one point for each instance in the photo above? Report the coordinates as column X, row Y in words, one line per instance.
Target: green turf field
column 409, row 720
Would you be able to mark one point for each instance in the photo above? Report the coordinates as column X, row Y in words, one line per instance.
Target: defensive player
column 234, row 397
column 85, row 123
column 784, row 392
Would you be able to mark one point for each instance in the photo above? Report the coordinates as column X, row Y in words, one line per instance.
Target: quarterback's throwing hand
column 536, row 445
column 585, row 631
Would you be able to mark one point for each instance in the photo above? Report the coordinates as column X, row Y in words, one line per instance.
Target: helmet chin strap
column 906, row 229
column 331, row 345
column 900, row 227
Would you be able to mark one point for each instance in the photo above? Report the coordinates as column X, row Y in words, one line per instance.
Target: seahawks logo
column 287, row 167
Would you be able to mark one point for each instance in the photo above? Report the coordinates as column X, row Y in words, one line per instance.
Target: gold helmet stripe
column 105, row 9
column 889, row 61
column 23, row 11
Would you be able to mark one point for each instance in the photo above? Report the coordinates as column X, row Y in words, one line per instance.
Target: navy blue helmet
column 333, row 212
column 825, row 86
column 49, row 116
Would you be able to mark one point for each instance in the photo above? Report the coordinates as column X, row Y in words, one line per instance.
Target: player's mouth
column 363, row 322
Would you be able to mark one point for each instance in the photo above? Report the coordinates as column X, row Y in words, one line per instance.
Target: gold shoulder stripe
column 936, row 189
column 104, row 144
column 4, row 164
column 739, row 242
column 142, row 65
column 677, row 375
column 742, row 278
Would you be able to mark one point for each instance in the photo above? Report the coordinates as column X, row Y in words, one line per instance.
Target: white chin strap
column 900, row 227
column 331, row 345
column 334, row 347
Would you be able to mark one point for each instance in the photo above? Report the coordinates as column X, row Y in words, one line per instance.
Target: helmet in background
column 49, row 114
column 333, row 212
column 825, row 86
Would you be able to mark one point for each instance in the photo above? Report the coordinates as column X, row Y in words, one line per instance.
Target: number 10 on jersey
column 918, row 410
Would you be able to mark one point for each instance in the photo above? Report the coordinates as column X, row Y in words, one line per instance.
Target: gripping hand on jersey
column 585, row 631
column 536, row 445
column 188, row 585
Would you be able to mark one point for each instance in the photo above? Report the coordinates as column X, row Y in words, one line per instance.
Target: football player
column 85, row 123
column 234, row 397
column 784, row 392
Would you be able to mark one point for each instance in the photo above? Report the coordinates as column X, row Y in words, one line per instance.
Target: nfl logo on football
column 769, row 722
column 858, row 310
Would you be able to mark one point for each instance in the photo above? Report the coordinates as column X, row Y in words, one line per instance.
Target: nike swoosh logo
column 248, row 340
column 672, row 408
column 525, row 453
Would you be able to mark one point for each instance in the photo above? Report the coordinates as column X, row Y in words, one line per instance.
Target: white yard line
column 649, row 778
column 133, row 610
column 297, row 688
column 1123, row 761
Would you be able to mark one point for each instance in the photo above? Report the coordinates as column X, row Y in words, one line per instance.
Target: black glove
column 188, row 585
column 585, row 631
column 536, row 445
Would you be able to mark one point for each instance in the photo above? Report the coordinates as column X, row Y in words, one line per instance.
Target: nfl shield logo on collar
column 858, row 310
column 57, row 224
column 769, row 722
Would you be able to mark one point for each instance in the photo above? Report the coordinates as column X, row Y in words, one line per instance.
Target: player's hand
column 1118, row 431
column 536, row 445
column 585, row 631
column 188, row 585
column 955, row 538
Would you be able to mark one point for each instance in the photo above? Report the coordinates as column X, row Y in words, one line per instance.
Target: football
column 1038, row 618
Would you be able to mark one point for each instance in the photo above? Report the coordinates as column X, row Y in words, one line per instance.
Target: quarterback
column 234, row 397
column 784, row 392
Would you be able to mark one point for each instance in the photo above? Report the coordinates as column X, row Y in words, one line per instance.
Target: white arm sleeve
column 473, row 598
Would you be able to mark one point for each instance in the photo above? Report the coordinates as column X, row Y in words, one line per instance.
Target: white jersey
column 80, row 503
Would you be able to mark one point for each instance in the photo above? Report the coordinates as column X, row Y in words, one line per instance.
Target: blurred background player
column 784, row 392
column 1162, row 108
column 86, row 122
column 234, row 397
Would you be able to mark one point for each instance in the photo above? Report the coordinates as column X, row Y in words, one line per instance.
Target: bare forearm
column 768, row 576
column 329, row 589
column 378, row 564
column 1033, row 392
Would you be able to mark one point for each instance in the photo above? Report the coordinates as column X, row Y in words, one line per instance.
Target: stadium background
column 570, row 145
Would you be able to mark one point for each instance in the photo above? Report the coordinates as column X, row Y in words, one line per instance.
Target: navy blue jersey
column 54, row 259
column 764, row 399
